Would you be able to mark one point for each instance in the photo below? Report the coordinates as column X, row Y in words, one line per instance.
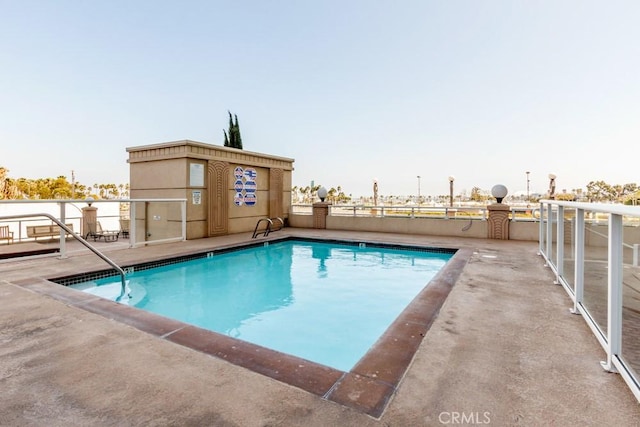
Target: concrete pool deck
column 504, row 350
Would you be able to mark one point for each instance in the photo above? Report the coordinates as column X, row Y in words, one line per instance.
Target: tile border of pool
column 368, row 387
column 109, row 272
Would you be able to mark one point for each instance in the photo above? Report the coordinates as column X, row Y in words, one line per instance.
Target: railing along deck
column 517, row 213
column 141, row 214
column 593, row 251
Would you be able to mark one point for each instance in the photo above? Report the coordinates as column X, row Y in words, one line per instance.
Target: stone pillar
column 89, row 215
column 320, row 212
column 498, row 221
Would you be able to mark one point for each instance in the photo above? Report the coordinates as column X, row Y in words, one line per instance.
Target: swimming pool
column 323, row 302
column 367, row 387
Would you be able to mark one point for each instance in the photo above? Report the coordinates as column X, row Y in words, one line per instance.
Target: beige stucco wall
column 434, row 227
column 166, row 179
column 164, row 171
column 422, row 226
column 524, row 230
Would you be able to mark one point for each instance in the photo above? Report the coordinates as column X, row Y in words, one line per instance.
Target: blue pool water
column 324, row 302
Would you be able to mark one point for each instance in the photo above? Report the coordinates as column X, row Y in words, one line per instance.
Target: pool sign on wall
column 238, row 172
column 250, row 174
column 250, row 199
column 245, row 186
column 196, row 197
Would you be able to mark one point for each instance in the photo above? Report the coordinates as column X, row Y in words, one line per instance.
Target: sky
column 353, row 90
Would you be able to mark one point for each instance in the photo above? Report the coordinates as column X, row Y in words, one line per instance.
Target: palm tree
column 8, row 188
column 306, row 193
column 331, row 194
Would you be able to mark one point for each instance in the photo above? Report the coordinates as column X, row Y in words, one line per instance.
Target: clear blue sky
column 352, row 90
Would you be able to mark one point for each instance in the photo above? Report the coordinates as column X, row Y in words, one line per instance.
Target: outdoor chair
column 5, row 234
column 96, row 232
column 124, row 227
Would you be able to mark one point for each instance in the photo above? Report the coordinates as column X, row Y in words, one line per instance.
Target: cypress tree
column 232, row 138
column 238, row 138
column 226, row 139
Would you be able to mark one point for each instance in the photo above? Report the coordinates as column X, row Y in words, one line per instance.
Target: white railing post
column 572, row 224
column 63, row 234
column 560, row 245
column 132, row 224
column 549, row 231
column 614, row 311
column 635, row 254
column 541, row 230
column 579, row 261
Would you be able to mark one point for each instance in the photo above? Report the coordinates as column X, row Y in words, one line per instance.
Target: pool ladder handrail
column 81, row 240
column 269, row 227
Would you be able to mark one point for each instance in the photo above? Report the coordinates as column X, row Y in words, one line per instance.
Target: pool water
column 324, row 302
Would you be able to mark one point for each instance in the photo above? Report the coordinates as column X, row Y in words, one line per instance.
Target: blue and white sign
column 250, row 187
column 245, row 186
column 250, row 174
column 238, row 172
column 250, row 199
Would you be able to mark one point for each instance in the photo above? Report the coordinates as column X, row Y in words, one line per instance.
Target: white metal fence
column 593, row 251
column 517, row 213
column 168, row 215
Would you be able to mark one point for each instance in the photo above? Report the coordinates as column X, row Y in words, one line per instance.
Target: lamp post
column 418, row 189
column 552, row 186
column 375, row 192
column 498, row 220
column 528, row 188
column 451, row 179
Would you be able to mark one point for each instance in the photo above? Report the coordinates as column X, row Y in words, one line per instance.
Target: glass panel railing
column 568, row 271
column 544, row 224
column 595, row 269
column 600, row 265
column 631, row 297
column 553, row 224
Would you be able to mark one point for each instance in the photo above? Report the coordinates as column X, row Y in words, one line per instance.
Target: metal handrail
column 81, row 240
column 266, row 231
column 280, row 221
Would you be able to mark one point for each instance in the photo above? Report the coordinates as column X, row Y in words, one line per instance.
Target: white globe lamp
column 322, row 193
column 499, row 191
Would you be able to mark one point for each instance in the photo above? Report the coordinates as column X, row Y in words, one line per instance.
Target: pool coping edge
column 368, row 387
